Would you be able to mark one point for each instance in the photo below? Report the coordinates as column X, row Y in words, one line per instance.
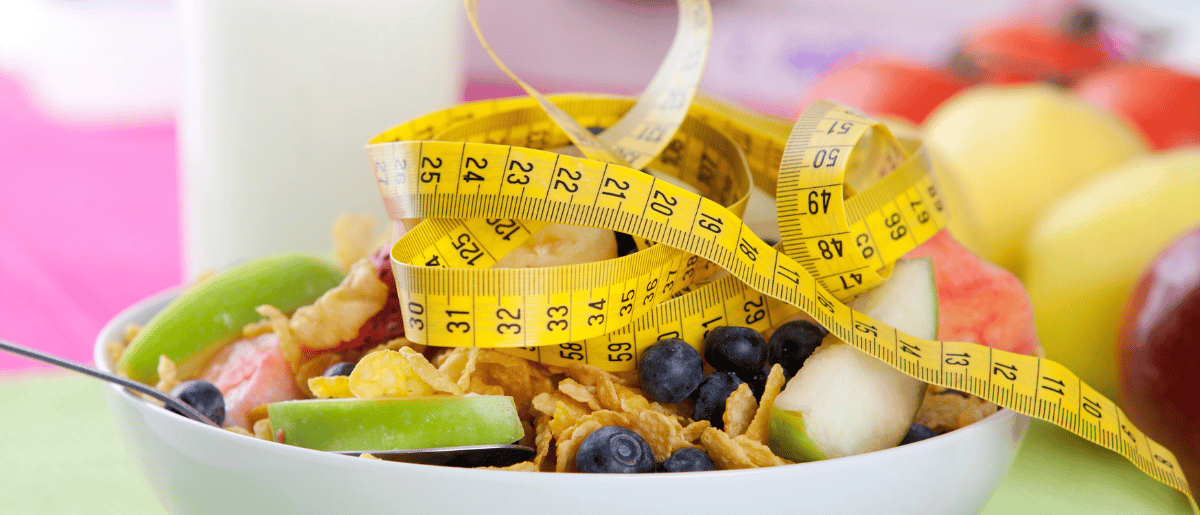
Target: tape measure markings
column 895, row 216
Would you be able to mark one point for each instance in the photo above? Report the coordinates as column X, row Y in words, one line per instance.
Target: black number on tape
column 841, row 128
column 513, row 178
column 663, row 208
column 709, row 223
column 825, row 157
column 818, row 203
column 1007, row 371
column 828, row 248
column 961, row 359
column 748, row 249
column 863, row 241
column 754, row 310
column 1060, row 384
column 620, row 185
column 570, row 188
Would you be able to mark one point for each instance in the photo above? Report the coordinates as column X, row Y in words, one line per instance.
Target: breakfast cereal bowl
column 198, row 469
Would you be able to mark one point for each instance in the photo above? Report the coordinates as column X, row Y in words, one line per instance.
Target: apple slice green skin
column 788, row 437
column 395, row 424
column 204, row 319
column 909, row 302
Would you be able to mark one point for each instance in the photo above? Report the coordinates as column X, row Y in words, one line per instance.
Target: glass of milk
column 280, row 98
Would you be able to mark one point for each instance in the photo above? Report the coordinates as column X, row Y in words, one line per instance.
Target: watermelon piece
column 978, row 301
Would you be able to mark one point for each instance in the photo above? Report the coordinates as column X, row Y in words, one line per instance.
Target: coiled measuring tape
column 851, row 200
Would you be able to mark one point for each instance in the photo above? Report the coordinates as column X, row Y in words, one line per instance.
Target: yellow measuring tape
column 851, row 200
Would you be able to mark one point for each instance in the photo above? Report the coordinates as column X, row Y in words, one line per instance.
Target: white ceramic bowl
column 198, row 469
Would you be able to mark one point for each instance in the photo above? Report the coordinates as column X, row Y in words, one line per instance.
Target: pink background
column 88, row 225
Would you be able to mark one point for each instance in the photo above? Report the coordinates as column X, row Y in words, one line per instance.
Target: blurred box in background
column 279, row 100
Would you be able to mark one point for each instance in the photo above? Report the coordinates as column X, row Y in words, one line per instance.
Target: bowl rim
column 1002, row 417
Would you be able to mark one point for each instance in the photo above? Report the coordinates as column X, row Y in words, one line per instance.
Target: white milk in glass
column 280, row 98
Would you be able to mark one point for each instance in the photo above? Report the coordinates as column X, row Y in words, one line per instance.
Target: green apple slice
column 843, row 401
column 202, row 320
column 395, row 424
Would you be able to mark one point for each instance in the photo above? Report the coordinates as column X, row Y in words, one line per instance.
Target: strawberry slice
column 251, row 372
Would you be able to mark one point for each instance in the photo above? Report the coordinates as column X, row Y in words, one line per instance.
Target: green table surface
column 60, row 454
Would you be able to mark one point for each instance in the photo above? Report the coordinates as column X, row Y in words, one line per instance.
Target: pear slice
column 843, row 401
column 394, row 424
column 205, row 318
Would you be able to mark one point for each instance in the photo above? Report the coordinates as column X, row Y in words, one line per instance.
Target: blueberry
column 711, row 395
column 741, row 350
column 203, row 396
column 670, row 370
column 759, row 382
column 339, row 369
column 688, row 459
column 614, row 449
column 917, row 433
column 792, row 343
column 595, row 130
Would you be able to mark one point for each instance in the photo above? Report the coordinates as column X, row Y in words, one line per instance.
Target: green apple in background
column 393, row 424
column 1085, row 253
column 1006, row 152
column 843, row 401
column 203, row 319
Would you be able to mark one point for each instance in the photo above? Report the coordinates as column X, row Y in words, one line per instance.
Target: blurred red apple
column 887, row 86
column 1158, row 358
column 1162, row 102
column 1057, row 49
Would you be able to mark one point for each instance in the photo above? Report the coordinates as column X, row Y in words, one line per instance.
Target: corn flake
column 759, row 429
column 759, row 454
column 565, row 416
column 944, row 409
column 131, row 330
column 333, row 318
column 543, row 440
column 257, row 328
column 262, row 430
column 353, row 238
column 239, row 430
column 524, row 466
column 257, row 413
column 725, row 452
column 168, row 375
column 681, row 411
column 588, row 375
column 454, row 364
column 314, row 367
column 631, row 399
column 114, row 349
column 330, row 387
column 568, row 447
column 579, row 392
column 386, row 373
column 435, row 378
column 692, row 431
column 740, row 407
column 664, row 433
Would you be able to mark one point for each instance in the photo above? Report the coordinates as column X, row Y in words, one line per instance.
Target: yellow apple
column 1006, row 152
column 1085, row 253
